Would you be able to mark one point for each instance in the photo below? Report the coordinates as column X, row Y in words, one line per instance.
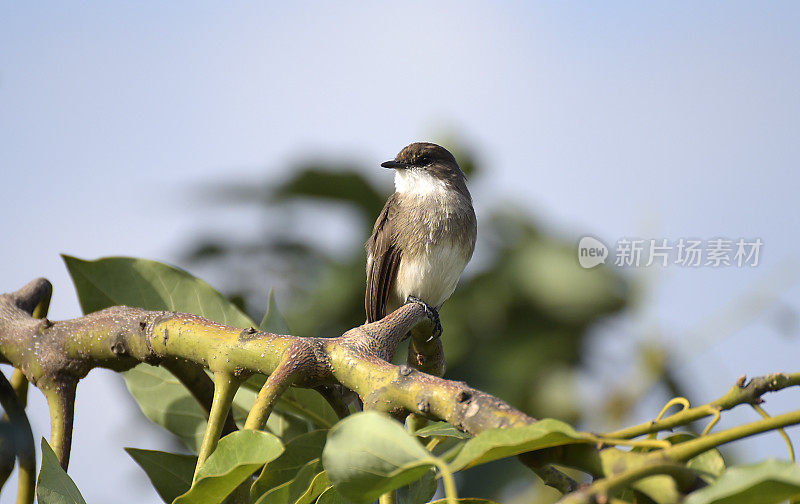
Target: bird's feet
column 433, row 315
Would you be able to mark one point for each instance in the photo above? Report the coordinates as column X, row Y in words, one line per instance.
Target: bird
column 424, row 236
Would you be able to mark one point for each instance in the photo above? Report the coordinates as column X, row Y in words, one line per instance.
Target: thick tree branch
column 52, row 354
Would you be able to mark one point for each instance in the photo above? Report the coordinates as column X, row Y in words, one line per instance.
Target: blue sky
column 671, row 120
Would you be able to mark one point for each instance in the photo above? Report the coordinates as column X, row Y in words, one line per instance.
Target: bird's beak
column 394, row 164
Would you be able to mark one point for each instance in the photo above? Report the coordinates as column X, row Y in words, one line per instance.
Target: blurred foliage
column 515, row 327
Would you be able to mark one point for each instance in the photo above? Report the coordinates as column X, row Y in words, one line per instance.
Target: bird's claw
column 432, row 314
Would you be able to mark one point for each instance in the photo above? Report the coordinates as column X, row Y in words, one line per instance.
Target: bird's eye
column 424, row 160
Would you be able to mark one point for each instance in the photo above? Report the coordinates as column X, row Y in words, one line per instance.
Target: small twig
column 200, row 386
column 277, row 383
column 20, row 385
column 782, row 432
column 225, row 387
column 60, row 397
column 675, row 400
column 712, row 423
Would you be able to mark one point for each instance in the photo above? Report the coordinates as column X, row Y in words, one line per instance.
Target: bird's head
column 424, row 167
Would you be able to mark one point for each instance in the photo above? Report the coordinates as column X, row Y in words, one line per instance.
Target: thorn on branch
column 741, row 381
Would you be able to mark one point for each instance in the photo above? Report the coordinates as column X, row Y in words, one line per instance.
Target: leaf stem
column 225, row 387
column 782, row 432
column 450, row 490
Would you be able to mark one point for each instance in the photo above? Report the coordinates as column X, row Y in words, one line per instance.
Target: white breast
column 431, row 277
column 418, row 183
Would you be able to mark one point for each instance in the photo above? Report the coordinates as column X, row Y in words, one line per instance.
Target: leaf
column 368, row 454
column 318, row 485
column 660, row 488
column 308, row 404
column 165, row 401
column 237, row 456
column 273, row 320
column 496, row 444
column 297, row 453
column 340, row 184
column 149, row 285
column 54, row 486
column 170, row 473
column 441, row 429
column 154, row 286
column 768, row 482
column 300, row 488
column 420, row 491
column 331, row 496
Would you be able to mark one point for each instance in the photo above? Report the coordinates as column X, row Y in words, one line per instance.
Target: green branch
column 225, row 387
column 740, row 393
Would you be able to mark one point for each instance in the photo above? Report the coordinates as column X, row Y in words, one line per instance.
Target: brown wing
column 385, row 260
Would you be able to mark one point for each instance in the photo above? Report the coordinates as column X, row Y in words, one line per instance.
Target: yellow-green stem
column 275, row 385
column 388, row 498
column 225, row 387
column 738, row 394
column 450, row 491
column 685, row 451
column 20, row 384
column 61, row 402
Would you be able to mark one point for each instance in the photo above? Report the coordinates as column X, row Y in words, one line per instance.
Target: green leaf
column 420, row 491
column 237, row 456
column 441, row 429
column 308, row 404
column 54, row 485
column 331, row 496
column 661, row 489
column 165, row 401
column 273, row 321
column 150, row 285
column 771, row 481
column 368, row 454
column 334, row 183
column 318, row 485
column 307, row 483
column 298, row 452
column 155, row 286
column 496, row 444
column 170, row 473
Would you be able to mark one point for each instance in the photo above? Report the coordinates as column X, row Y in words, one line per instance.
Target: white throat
column 417, row 182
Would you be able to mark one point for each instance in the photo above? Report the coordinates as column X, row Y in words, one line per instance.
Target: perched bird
column 425, row 235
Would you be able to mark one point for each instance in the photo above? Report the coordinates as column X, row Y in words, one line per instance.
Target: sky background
column 674, row 120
